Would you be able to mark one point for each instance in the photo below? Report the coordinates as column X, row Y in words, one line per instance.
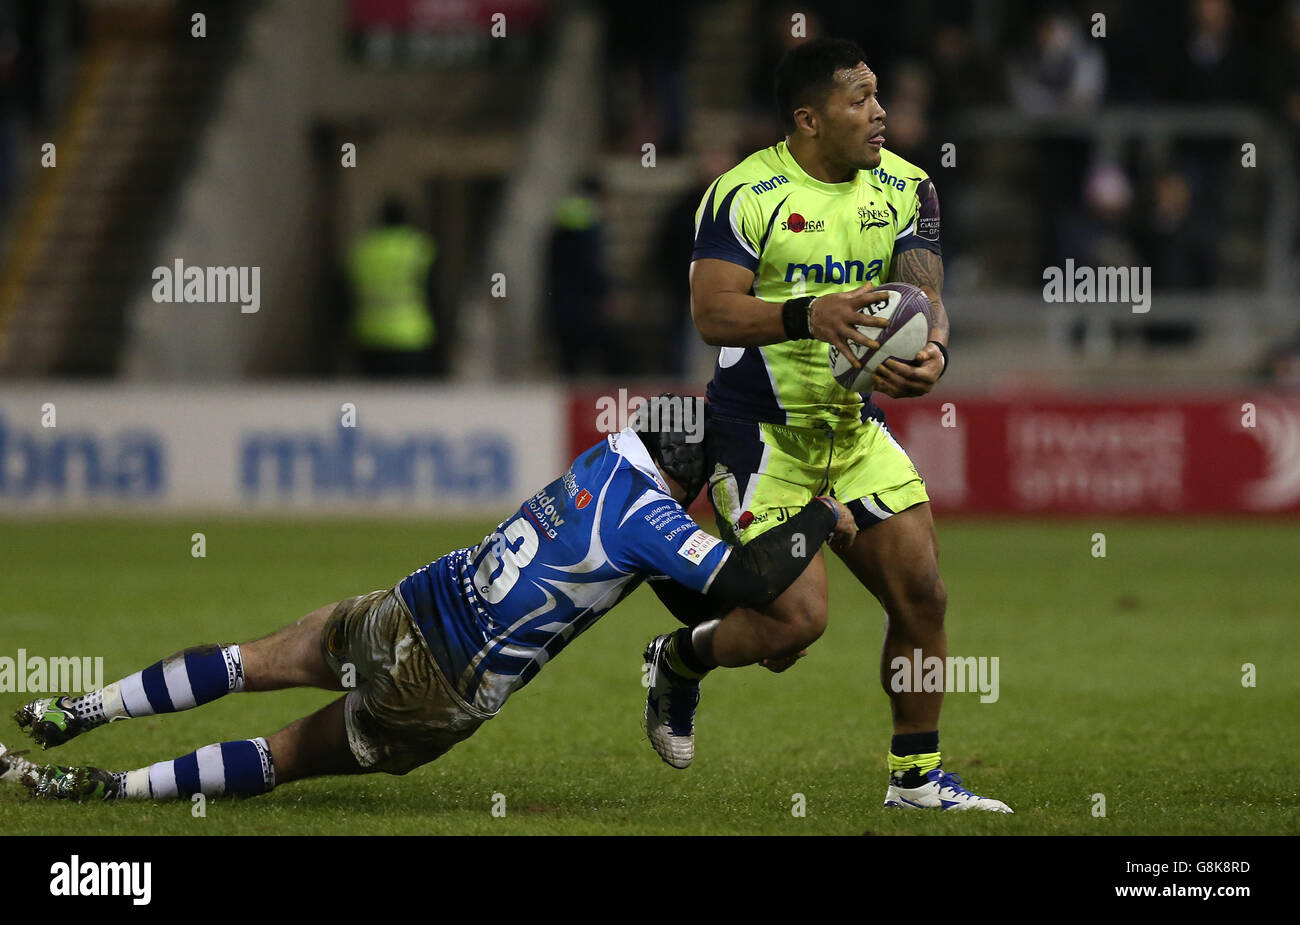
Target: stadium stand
column 233, row 158
column 127, row 138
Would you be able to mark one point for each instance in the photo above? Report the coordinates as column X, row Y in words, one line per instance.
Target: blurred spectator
column 1284, row 70
column 907, row 103
column 8, row 105
column 1103, row 234
column 1061, row 70
column 393, row 294
column 908, row 131
column 1284, row 82
column 38, row 40
column 963, row 76
column 1179, row 249
column 647, row 85
column 1215, row 66
column 672, row 260
column 1214, row 69
column 1280, row 365
column 775, row 34
column 578, row 285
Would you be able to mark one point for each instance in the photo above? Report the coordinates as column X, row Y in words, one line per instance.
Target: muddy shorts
column 401, row 712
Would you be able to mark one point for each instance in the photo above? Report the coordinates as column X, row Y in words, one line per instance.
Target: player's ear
column 674, row 487
column 805, row 121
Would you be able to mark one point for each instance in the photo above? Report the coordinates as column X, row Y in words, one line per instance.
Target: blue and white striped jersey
column 495, row 613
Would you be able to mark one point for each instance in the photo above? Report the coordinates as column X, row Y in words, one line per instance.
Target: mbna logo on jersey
column 898, row 183
column 797, row 223
column 762, row 186
column 833, row 271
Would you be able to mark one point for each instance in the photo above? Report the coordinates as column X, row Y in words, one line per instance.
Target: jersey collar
column 783, row 152
column 627, row 443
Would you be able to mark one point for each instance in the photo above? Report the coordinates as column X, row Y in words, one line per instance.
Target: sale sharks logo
column 869, row 217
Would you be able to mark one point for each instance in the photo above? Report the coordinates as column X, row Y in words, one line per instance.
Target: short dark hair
column 668, row 442
column 806, row 73
column 393, row 211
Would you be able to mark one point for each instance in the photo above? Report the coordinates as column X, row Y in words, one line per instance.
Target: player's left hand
column 902, row 380
column 779, row 665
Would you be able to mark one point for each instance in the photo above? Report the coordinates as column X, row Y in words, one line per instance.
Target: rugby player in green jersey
column 788, row 246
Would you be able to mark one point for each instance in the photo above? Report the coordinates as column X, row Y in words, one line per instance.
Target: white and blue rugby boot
column 670, row 703
column 940, row 790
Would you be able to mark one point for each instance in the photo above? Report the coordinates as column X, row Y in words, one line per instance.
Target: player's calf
column 239, row 768
column 313, row 746
column 748, row 637
column 293, row 656
column 186, row 679
column 290, row 657
column 790, row 624
column 916, row 611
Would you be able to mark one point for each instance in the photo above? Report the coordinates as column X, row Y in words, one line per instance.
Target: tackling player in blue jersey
column 426, row 662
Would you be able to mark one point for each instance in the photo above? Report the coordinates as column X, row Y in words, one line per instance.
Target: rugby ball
column 908, row 312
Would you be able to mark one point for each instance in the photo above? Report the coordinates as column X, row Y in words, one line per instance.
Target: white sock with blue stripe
column 243, row 769
column 186, row 679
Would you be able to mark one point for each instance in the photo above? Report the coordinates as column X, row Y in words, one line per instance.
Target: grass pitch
column 1119, row 676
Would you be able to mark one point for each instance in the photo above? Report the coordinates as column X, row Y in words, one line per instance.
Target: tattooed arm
column 924, row 269
column 920, row 263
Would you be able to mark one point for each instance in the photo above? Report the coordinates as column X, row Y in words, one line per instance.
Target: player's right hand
column 835, row 319
column 781, row 663
column 846, row 528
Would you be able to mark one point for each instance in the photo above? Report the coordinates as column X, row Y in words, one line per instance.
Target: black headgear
column 679, row 451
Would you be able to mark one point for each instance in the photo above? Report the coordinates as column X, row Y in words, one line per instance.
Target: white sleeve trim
column 721, row 562
column 735, row 228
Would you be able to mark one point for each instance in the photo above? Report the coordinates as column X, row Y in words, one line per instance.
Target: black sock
column 903, row 746
column 685, row 650
column 915, row 743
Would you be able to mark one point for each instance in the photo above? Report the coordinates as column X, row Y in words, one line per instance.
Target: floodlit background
column 227, row 150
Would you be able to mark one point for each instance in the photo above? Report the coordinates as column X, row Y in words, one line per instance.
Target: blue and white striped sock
column 241, row 769
column 186, row 679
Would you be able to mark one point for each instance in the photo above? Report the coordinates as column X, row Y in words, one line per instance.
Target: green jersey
column 801, row 236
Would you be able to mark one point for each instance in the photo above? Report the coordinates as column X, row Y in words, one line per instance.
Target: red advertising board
column 1072, row 455
column 1106, row 455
